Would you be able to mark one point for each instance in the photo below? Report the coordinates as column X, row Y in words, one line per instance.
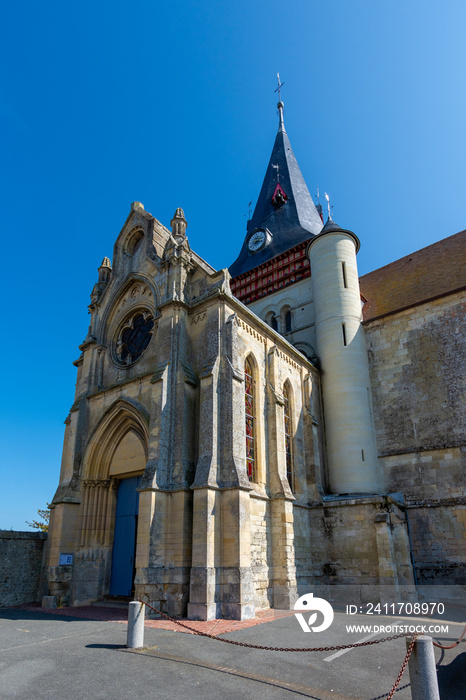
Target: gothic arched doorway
column 115, row 461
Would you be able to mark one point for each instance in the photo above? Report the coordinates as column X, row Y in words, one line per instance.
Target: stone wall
column 359, row 545
column 20, row 566
column 260, row 552
column 298, row 299
column 303, row 543
column 438, row 533
column 417, row 363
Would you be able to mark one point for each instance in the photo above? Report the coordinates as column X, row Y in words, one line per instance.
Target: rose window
column 134, row 338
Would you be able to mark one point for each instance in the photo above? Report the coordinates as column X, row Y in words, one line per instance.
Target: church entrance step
column 113, row 601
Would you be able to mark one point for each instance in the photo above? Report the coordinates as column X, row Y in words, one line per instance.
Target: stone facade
column 209, row 541
column 207, row 536
column 221, row 458
column 418, row 379
column 21, row 555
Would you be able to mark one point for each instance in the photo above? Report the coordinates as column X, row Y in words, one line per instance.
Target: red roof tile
column 428, row 273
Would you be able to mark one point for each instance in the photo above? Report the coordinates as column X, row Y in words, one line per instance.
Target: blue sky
column 173, row 104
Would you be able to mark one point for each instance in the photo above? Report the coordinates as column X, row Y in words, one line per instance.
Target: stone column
column 205, row 556
column 221, row 576
column 388, row 580
column 163, row 550
column 157, row 466
column 315, row 477
column 394, row 561
column 100, row 360
column 206, row 503
column 282, row 532
column 283, row 555
column 237, row 589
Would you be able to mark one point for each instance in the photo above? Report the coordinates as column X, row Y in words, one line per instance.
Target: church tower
column 285, row 214
column 321, row 316
column 271, row 274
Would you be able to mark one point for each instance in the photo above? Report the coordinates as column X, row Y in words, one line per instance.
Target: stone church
column 239, row 437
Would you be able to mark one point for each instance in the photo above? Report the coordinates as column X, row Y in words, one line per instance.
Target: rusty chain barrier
column 403, row 667
column 389, row 696
column 450, row 646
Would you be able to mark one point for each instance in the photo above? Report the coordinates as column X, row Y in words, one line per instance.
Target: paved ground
column 57, row 655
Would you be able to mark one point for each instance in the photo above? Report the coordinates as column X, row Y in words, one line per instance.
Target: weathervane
column 329, row 207
column 319, row 205
column 280, row 85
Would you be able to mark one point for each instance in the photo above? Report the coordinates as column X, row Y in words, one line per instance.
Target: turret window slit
column 343, row 272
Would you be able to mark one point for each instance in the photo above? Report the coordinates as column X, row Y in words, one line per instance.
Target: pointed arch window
column 249, row 401
column 288, row 435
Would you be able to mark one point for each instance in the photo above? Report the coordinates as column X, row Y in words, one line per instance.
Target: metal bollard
column 422, row 670
column 135, row 634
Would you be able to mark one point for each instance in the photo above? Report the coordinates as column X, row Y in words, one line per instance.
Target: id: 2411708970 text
column 396, row 609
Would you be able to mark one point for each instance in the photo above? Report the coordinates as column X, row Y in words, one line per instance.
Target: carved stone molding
column 198, row 317
column 237, row 374
column 158, row 374
column 312, row 417
column 189, row 375
column 255, row 334
column 208, row 368
column 279, row 398
column 139, row 292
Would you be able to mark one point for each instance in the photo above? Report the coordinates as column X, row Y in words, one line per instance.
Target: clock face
column 256, row 241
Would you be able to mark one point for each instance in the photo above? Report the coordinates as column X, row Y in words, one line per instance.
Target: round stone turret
column 352, row 461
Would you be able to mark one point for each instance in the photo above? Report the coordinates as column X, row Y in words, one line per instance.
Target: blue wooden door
column 124, row 542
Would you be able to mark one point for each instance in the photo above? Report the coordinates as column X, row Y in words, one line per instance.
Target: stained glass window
column 250, row 420
column 288, row 433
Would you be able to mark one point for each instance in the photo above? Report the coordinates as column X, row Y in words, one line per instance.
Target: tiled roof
column 428, row 273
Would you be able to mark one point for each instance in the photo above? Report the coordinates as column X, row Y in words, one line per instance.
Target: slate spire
column 284, row 209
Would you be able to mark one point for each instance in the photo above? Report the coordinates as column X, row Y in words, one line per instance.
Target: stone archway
column 117, row 454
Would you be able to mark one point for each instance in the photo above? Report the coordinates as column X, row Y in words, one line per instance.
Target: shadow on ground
column 452, row 678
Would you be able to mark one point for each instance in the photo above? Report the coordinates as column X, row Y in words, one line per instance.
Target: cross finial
column 278, row 89
column 319, row 206
column 329, row 206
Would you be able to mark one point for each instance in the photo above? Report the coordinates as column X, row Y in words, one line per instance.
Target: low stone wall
column 20, row 566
